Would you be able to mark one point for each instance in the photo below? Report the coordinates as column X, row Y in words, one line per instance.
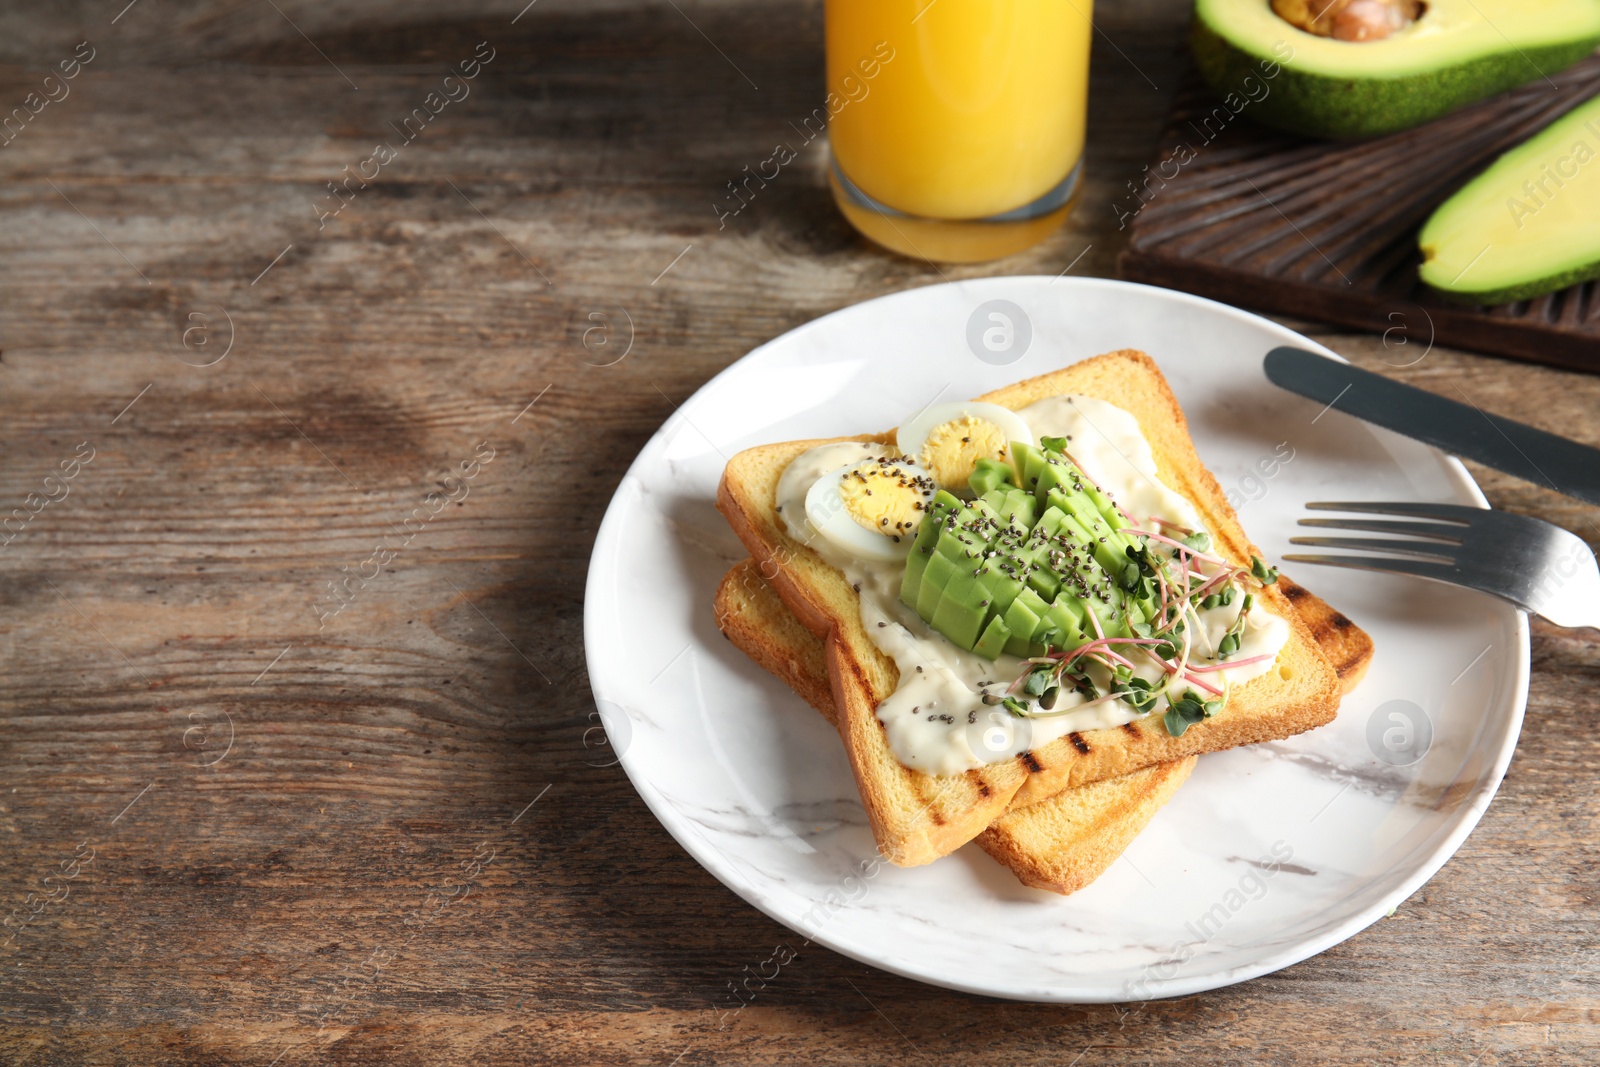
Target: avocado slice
column 999, row 588
column 1528, row 225
column 927, row 540
column 1021, row 509
column 1015, row 507
column 1110, row 547
column 1458, row 52
column 1045, row 582
column 1033, row 606
column 989, row 475
column 939, row 572
column 958, row 615
column 1021, row 621
column 993, row 640
column 1026, row 462
column 1068, row 616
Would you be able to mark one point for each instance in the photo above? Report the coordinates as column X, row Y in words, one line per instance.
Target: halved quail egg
column 947, row 440
column 871, row 509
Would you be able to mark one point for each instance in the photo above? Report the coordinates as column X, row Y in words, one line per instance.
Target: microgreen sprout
column 1261, row 572
column 1188, row 710
column 1235, row 636
column 1139, row 693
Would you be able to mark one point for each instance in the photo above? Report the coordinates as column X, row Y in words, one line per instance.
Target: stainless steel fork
column 1535, row 565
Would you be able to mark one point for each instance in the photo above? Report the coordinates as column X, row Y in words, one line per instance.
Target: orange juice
column 956, row 111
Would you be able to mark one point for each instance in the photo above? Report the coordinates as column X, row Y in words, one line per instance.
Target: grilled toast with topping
column 918, row 817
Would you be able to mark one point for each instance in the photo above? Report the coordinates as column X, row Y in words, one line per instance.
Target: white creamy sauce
column 936, row 720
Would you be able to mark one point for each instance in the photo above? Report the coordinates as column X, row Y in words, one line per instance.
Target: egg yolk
column 953, row 449
column 885, row 497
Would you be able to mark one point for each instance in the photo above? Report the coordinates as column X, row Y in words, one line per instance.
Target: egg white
column 828, row 515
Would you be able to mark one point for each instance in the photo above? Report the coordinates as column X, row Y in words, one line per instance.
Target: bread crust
column 918, row 817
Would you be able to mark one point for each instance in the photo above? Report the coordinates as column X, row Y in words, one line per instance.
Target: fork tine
column 1425, row 549
column 1442, row 512
column 1437, row 531
column 1418, row 568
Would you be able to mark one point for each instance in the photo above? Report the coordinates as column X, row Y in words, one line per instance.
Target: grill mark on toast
column 1031, row 762
column 1079, row 743
column 1294, row 592
column 1133, row 730
column 983, row 786
column 929, row 806
column 1330, row 625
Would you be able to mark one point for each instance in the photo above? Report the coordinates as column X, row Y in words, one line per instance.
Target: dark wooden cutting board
column 1325, row 230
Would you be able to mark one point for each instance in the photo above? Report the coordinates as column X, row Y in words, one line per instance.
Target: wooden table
column 278, row 832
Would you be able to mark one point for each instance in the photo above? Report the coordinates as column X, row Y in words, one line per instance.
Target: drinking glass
column 957, row 126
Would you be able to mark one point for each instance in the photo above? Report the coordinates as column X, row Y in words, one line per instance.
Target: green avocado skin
column 1353, row 108
column 1523, row 290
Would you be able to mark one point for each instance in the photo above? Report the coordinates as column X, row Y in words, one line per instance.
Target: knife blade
column 1466, row 430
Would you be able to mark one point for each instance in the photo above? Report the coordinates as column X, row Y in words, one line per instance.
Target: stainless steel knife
column 1533, row 455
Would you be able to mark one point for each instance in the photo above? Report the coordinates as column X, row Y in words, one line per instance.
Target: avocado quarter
column 1528, row 225
column 1459, row 51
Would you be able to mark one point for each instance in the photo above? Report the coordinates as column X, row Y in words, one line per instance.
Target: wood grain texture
column 1247, row 215
column 350, row 880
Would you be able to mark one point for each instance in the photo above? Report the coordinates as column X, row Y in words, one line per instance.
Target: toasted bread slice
column 919, row 817
column 1064, row 842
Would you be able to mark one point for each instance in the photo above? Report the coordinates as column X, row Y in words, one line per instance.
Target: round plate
column 1267, row 855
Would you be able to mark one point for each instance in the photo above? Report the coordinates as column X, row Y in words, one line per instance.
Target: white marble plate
column 1268, row 855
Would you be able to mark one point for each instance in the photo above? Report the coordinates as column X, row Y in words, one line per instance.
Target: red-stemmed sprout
column 1168, row 644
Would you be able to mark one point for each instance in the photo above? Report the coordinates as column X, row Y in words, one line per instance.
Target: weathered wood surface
column 350, row 880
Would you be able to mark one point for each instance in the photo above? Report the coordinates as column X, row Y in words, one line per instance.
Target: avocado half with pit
column 1457, row 52
column 1527, row 226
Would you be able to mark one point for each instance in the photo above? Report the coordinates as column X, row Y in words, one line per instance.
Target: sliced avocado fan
column 1458, row 51
column 1528, row 225
column 1021, row 568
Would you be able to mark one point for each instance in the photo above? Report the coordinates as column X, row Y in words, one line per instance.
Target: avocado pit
column 1350, row 20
